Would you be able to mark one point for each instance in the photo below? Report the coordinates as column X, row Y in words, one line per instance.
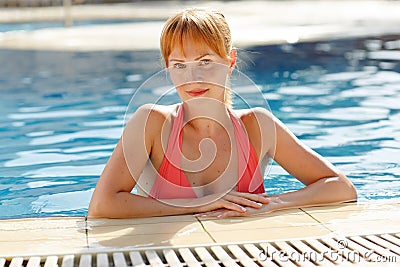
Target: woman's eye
column 179, row 66
column 205, row 62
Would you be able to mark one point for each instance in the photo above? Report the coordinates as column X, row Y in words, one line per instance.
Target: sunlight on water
column 63, row 114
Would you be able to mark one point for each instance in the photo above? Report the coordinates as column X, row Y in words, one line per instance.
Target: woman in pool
column 201, row 156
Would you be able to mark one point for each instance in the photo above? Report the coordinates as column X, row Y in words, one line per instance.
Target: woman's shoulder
column 157, row 112
column 257, row 120
column 154, row 117
column 260, row 128
column 254, row 115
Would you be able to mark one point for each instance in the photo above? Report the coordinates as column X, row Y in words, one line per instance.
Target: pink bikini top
column 171, row 182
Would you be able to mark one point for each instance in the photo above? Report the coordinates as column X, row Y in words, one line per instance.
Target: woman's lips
column 197, row 92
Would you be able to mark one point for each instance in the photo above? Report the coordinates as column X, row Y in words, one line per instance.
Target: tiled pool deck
column 42, row 237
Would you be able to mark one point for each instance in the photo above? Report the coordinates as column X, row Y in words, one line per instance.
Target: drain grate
column 326, row 251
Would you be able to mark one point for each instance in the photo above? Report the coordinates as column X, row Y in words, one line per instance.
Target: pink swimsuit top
column 171, row 182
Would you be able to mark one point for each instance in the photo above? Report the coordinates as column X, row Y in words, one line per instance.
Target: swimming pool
column 63, row 112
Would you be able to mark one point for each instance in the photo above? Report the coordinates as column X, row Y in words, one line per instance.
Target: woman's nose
column 193, row 73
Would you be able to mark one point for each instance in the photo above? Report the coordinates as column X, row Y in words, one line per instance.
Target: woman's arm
column 325, row 184
column 324, row 191
column 112, row 197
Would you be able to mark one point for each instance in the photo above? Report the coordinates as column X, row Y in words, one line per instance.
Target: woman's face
column 198, row 71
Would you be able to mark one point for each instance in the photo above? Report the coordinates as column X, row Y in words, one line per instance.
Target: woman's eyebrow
column 204, row 55
column 197, row 58
column 178, row 60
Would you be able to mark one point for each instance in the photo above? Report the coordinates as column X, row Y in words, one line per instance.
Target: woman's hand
column 270, row 204
column 235, row 202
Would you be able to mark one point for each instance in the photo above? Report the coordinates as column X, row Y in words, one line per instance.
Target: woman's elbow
column 97, row 209
column 348, row 190
column 94, row 210
column 352, row 193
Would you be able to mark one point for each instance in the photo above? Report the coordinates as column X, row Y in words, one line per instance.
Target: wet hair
column 203, row 26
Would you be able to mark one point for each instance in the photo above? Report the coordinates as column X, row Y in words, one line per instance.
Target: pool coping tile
column 79, row 235
column 42, row 236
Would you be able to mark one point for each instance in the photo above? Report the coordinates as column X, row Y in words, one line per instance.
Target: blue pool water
column 62, row 114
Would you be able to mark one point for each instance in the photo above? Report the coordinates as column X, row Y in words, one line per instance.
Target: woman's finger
column 261, row 198
column 232, row 205
column 243, row 201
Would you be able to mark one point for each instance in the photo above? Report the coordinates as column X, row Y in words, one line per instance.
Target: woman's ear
column 233, row 57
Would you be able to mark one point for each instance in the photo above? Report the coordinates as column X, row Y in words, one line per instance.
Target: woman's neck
column 205, row 115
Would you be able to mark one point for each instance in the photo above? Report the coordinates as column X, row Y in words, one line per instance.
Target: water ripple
column 111, row 133
column 65, row 171
column 50, row 114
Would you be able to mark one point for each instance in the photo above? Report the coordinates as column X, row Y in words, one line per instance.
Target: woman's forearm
column 322, row 192
column 128, row 205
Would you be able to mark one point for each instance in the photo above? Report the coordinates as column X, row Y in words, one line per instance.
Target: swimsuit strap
column 171, row 180
column 249, row 173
